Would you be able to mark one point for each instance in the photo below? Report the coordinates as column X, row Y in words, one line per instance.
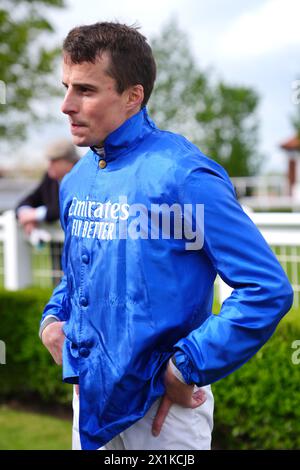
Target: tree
column 172, row 102
column 296, row 123
column 295, row 119
column 230, row 129
column 219, row 118
column 25, row 63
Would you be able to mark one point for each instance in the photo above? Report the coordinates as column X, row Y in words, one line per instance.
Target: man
column 131, row 320
column 42, row 205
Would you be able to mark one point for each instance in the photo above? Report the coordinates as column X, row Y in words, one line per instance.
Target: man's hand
column 27, row 215
column 179, row 393
column 28, row 227
column 53, row 338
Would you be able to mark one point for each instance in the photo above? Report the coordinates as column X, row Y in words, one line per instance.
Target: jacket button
column 84, row 352
column 102, row 164
column 83, row 301
column 85, row 259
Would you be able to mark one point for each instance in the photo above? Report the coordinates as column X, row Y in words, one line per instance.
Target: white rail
column 18, row 268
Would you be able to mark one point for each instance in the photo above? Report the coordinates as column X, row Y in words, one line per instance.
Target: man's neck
column 100, row 146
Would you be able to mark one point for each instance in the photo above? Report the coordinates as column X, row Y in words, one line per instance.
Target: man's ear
column 135, row 96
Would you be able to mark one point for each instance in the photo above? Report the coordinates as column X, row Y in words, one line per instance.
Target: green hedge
column 29, row 370
column 256, row 407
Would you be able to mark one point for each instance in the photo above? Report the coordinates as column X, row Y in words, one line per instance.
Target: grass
column 20, row 430
column 41, row 267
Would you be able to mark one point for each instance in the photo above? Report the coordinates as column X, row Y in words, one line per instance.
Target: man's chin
column 80, row 141
column 85, row 141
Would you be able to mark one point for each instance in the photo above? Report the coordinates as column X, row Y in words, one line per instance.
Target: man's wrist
column 49, row 319
column 40, row 213
column 175, row 370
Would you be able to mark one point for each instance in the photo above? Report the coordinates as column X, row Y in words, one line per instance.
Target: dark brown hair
column 131, row 58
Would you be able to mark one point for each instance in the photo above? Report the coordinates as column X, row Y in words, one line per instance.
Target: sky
column 255, row 44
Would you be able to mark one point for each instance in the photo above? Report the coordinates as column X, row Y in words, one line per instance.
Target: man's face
column 94, row 107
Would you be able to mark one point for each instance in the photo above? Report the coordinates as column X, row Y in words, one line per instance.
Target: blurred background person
column 42, row 204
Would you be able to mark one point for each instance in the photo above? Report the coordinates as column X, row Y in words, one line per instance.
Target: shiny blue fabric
column 129, row 304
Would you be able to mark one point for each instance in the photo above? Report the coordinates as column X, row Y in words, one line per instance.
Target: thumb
column 198, row 398
column 161, row 414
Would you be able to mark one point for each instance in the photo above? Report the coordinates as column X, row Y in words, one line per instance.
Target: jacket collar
column 127, row 135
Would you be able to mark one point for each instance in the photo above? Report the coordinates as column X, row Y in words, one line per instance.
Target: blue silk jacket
column 134, row 292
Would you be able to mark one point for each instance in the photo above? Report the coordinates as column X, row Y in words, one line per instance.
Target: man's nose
column 69, row 104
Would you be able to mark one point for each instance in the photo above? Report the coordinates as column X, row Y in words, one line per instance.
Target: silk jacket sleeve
column 56, row 306
column 262, row 293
